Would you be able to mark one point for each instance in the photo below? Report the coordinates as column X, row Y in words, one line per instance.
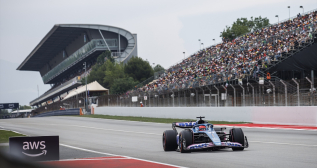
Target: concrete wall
column 265, row 115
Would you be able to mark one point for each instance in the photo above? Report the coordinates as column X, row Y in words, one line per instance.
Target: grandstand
column 60, row 55
column 271, row 66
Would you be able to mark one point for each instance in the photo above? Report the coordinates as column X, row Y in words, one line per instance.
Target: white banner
column 134, row 98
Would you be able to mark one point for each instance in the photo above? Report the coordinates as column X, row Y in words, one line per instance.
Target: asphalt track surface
column 268, row 147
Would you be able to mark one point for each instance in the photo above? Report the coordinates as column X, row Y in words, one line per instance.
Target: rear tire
column 185, row 137
column 169, row 140
column 237, row 136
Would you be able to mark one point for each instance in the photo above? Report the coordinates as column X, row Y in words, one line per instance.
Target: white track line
column 148, row 133
column 279, row 143
column 127, row 157
column 277, row 128
column 92, row 159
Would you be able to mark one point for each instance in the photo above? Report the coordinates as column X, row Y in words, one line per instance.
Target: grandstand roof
column 63, row 34
column 56, row 91
column 92, row 87
column 22, row 111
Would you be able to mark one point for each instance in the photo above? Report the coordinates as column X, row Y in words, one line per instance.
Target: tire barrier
column 59, row 113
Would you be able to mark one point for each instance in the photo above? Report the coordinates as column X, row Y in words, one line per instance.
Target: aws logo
column 34, row 146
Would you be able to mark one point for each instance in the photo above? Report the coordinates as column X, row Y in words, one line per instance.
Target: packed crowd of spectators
column 240, row 57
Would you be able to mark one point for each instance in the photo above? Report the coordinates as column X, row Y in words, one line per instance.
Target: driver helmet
column 202, row 128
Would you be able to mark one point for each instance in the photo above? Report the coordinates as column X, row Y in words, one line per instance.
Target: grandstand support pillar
column 179, row 99
column 260, row 94
column 185, row 98
column 298, row 101
column 204, row 96
column 173, row 98
column 252, row 93
column 243, row 94
column 197, row 97
column 119, row 52
column 209, row 95
column 312, row 84
column 149, row 100
column 311, row 90
column 274, row 104
column 226, row 104
column 285, row 91
column 234, row 95
column 217, row 104
column 104, row 40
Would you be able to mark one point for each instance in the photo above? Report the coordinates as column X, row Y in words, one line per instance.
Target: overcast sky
column 165, row 28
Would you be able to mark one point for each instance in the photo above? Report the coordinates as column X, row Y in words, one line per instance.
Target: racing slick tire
column 169, row 140
column 185, row 138
column 237, row 135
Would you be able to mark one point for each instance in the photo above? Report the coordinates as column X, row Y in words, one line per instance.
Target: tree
column 113, row 71
column 103, row 57
column 98, row 70
column 3, row 112
column 138, row 69
column 243, row 26
column 25, row 107
column 122, row 85
column 158, row 68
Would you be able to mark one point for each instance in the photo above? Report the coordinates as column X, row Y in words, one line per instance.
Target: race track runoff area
column 93, row 142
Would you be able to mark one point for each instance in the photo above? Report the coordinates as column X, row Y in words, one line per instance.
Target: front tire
column 185, row 139
column 169, row 140
column 237, row 135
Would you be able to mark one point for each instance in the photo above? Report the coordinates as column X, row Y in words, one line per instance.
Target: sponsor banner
column 134, row 98
column 9, row 105
column 41, row 148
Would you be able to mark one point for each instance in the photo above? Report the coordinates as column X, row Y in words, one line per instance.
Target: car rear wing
column 183, row 124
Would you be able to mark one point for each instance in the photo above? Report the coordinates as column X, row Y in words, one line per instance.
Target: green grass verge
column 157, row 120
column 5, row 135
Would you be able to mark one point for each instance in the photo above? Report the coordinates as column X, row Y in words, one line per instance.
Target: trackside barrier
column 60, row 113
column 306, row 115
column 80, row 111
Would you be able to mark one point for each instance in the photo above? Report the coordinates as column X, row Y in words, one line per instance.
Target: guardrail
column 81, row 53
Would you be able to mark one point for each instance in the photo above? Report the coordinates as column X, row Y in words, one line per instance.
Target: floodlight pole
column 85, row 67
column 303, row 8
column 289, row 12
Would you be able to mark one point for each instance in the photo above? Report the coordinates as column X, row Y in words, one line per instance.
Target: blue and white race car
column 202, row 135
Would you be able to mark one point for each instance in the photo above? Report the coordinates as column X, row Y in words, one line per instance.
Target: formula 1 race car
column 202, row 135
